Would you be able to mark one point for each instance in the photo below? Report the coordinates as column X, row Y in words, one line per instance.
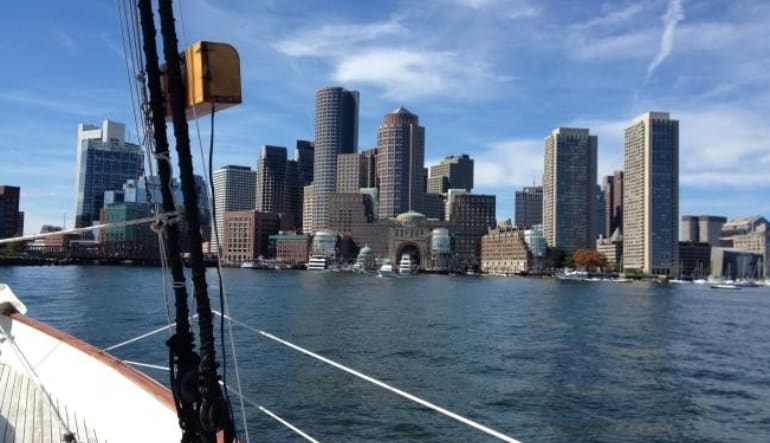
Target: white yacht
column 317, row 263
column 250, row 264
column 386, row 271
column 405, row 266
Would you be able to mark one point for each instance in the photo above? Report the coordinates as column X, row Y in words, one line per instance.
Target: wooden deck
column 28, row 415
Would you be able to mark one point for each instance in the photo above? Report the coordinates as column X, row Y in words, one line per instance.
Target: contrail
column 674, row 14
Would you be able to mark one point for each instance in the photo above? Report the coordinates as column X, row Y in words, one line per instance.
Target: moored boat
column 386, row 271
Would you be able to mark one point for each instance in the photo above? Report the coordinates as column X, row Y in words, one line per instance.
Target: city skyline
column 482, row 95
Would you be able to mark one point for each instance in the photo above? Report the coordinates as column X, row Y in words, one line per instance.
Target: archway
column 413, row 251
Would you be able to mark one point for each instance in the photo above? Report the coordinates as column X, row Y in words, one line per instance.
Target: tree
column 587, row 258
column 558, row 257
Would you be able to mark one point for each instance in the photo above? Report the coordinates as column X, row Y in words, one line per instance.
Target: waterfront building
column 348, row 211
column 504, row 251
column 750, row 234
column 400, row 159
column 324, row 244
column 702, row 228
column 434, row 206
column 694, row 259
column 569, row 189
column 246, row 235
column 11, row 220
column 613, row 200
column 336, row 132
column 104, row 162
column 292, row 249
column 529, row 206
column 450, row 198
column 234, row 190
column 733, row 263
column 271, row 179
column 471, row 215
column 440, row 250
column 375, row 235
column 350, row 172
column 454, row 172
column 537, row 246
column 651, row 195
column 367, row 259
column 129, row 241
column 612, row 250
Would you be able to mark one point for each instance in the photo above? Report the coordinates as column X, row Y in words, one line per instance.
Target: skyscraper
column 234, row 190
column 350, row 172
column 271, row 179
column 651, row 195
column 400, row 159
column 9, row 212
column 295, row 188
column 529, row 206
column 104, row 162
column 569, row 189
column 454, row 172
column 613, row 200
column 336, row 132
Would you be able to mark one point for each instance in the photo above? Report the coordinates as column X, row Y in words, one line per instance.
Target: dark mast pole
column 184, row 360
column 215, row 412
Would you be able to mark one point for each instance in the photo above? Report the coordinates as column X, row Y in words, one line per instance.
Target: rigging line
column 31, row 371
column 408, row 396
column 127, row 63
column 145, row 335
column 146, row 365
column 137, row 221
column 209, row 182
column 271, row 414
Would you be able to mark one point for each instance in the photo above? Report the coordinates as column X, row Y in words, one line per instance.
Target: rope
column 209, row 182
column 362, row 376
column 271, row 414
column 146, row 365
column 145, row 335
column 31, row 237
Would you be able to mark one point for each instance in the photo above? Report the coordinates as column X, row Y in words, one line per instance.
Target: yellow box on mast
column 211, row 73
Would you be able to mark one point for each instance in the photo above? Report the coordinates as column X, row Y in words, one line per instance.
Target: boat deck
column 28, row 415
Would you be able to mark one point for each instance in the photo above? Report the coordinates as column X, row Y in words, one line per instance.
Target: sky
column 490, row 78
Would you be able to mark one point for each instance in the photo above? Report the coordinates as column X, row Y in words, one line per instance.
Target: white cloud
column 66, row 40
column 336, row 39
column 615, row 17
column 509, row 164
column 674, row 14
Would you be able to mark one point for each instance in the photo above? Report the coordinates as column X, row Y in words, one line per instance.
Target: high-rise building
column 299, row 173
column 234, row 189
column 471, row 216
column 336, row 132
column 569, row 189
column 400, row 159
column 702, row 228
column 104, row 162
column 529, row 206
column 271, row 179
column 369, row 159
column 350, row 173
column 613, row 200
column 651, row 195
column 601, row 208
column 454, row 172
column 9, row 212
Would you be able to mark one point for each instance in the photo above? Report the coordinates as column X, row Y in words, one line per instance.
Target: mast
column 214, row 410
column 183, row 360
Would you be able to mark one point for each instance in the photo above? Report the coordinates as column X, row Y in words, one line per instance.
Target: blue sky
column 488, row 78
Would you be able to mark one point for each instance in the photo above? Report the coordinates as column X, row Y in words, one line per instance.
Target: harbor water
column 537, row 359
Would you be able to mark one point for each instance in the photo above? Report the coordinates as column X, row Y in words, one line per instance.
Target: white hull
column 109, row 398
